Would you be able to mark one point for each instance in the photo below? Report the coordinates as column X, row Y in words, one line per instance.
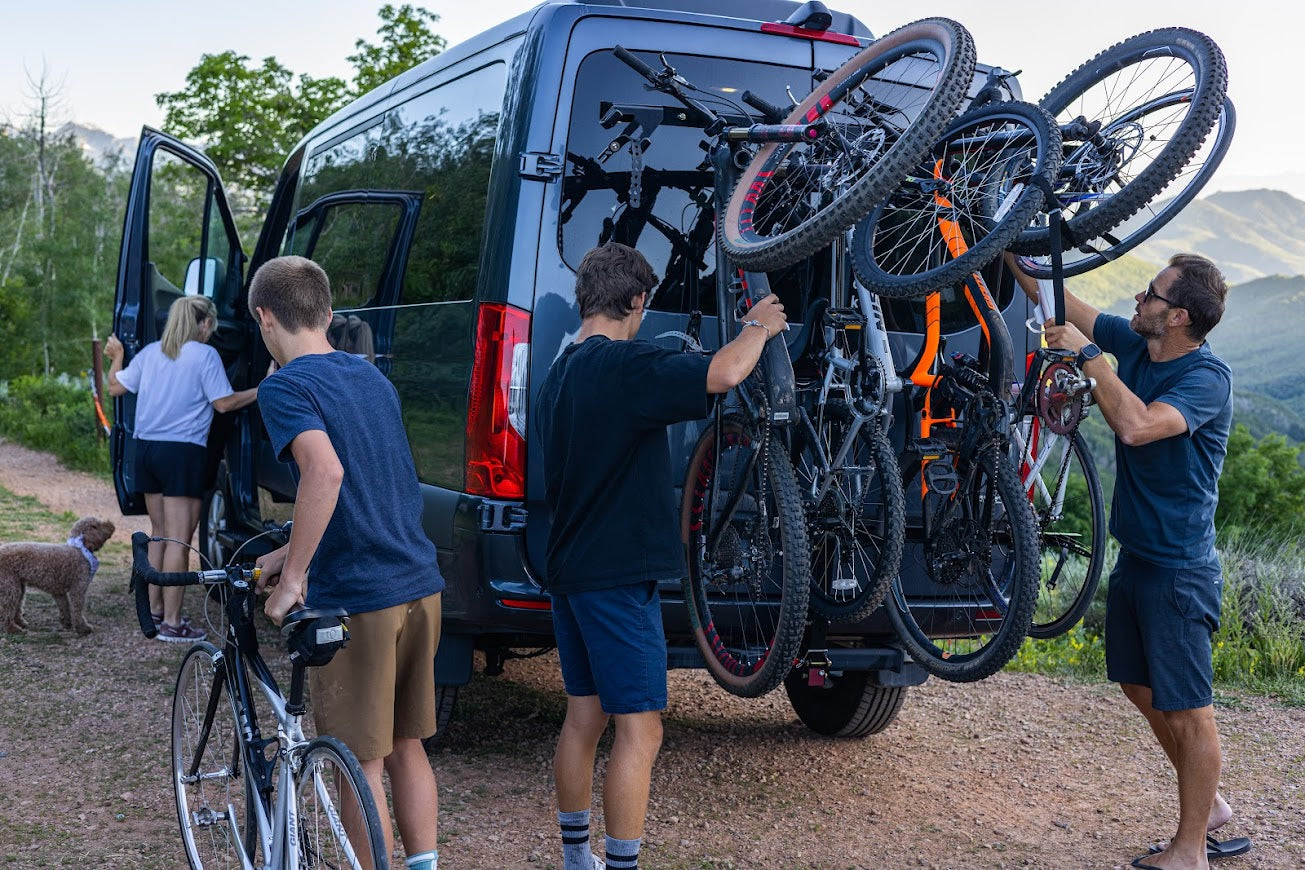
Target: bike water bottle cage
column 313, row 637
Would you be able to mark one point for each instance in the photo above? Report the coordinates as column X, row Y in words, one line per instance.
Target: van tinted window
column 675, row 182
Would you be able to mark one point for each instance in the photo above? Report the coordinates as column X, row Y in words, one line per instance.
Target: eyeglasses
column 1151, row 294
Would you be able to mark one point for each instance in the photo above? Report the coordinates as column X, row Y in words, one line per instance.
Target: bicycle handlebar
column 143, row 575
column 637, row 65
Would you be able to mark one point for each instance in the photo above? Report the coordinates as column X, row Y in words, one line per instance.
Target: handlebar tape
column 143, row 574
column 636, row 64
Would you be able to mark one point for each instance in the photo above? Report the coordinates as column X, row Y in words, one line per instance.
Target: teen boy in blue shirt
column 357, row 525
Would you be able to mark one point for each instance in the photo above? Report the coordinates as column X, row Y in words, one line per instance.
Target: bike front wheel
column 967, row 615
column 1062, row 484
column 973, row 193
column 882, row 110
column 1150, row 101
column 208, row 769
column 338, row 822
column 855, row 525
column 748, row 581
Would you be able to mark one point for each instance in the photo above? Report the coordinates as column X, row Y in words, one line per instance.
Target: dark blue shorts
column 173, row 468
column 1159, row 625
column 611, row 644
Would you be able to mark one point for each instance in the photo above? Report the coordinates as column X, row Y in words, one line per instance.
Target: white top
column 176, row 403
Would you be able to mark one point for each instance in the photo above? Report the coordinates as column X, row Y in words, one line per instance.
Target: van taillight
column 805, row 33
column 496, row 417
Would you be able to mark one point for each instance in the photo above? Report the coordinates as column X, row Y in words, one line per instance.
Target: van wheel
column 853, row 707
column 215, row 517
column 446, row 698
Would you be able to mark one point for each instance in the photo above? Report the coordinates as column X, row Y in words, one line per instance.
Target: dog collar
column 90, row 557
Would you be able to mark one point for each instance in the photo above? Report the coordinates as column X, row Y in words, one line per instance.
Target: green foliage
column 248, row 117
column 406, row 40
column 1262, row 488
column 57, row 415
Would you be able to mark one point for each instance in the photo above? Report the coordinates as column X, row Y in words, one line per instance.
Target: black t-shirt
column 601, row 415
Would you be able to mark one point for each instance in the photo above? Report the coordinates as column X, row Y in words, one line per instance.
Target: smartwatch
column 1089, row 352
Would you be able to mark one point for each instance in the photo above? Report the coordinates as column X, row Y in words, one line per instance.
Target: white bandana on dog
column 90, row 557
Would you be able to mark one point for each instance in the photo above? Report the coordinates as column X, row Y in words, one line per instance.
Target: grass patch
column 1260, row 645
column 24, row 518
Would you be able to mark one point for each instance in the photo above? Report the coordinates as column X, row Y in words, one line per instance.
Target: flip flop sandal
column 1215, row 849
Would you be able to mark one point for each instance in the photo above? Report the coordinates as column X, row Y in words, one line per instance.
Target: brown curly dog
column 63, row 570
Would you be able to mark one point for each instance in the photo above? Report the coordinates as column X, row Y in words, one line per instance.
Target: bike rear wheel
column 1156, row 97
column 1070, row 514
column 980, row 556
column 884, row 108
column 960, row 207
column 855, row 530
column 338, row 822
column 747, row 595
column 208, row 768
column 1154, row 215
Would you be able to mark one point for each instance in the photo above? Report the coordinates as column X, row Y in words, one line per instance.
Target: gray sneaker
column 184, row 633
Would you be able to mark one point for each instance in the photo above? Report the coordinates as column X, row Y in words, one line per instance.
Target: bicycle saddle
column 315, row 635
column 812, row 319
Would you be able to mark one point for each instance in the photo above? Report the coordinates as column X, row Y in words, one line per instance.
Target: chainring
column 1059, row 409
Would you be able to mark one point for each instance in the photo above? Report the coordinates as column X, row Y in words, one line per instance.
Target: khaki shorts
column 382, row 685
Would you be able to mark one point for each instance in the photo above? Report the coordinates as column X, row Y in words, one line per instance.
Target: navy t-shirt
column 601, row 415
column 1166, row 491
column 374, row 553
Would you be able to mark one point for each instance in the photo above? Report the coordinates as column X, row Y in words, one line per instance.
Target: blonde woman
column 179, row 381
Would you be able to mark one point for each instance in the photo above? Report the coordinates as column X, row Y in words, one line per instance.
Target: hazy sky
column 112, row 56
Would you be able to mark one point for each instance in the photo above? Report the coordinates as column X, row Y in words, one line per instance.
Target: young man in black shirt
column 602, row 414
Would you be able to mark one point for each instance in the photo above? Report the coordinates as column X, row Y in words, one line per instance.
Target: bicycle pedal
column 941, row 478
column 927, row 447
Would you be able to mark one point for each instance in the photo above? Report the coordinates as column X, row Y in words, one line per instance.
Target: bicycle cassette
column 1062, row 398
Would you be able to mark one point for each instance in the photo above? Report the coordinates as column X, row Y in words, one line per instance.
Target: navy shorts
column 611, row 644
column 1159, row 625
column 173, row 468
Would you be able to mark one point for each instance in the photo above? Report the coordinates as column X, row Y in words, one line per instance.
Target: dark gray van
column 439, row 206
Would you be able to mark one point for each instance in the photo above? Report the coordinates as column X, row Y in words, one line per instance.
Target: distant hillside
column 1249, row 233
column 102, row 147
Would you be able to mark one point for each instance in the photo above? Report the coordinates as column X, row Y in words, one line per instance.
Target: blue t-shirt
column 602, row 414
column 1166, row 491
column 374, row 553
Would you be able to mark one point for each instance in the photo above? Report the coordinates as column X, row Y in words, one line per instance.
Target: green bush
column 54, row 414
column 1260, row 644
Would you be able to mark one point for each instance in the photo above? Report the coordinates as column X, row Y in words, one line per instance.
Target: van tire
column 446, row 699
column 214, row 517
column 854, row 706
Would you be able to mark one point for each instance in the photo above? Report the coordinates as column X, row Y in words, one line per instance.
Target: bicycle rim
column 962, row 205
column 883, row 108
column 855, row 530
column 1070, row 514
column 747, row 598
column 974, row 575
column 1176, row 196
column 1156, row 98
column 338, row 822
column 207, row 767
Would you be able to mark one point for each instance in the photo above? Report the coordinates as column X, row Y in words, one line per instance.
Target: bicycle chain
column 636, row 173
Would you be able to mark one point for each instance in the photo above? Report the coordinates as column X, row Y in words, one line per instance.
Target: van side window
column 675, row 180
column 189, row 251
column 351, row 241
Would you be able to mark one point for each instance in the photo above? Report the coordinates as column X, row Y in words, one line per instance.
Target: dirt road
column 1015, row 771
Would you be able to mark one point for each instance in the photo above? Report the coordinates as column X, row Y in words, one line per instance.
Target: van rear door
column 178, row 240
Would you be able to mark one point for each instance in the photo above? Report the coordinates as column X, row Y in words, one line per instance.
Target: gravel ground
column 1014, row 771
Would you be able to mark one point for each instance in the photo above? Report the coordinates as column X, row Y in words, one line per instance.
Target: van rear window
column 675, row 180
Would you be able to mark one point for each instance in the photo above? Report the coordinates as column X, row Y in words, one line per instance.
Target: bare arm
column 113, row 350
column 1077, row 311
column 319, row 489
column 1135, row 422
column 736, row 360
column 235, row 401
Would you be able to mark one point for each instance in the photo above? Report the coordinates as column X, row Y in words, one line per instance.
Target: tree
column 1262, row 488
column 406, row 40
column 247, row 117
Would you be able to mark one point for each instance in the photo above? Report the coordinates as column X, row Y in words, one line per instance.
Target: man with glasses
column 1170, row 407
